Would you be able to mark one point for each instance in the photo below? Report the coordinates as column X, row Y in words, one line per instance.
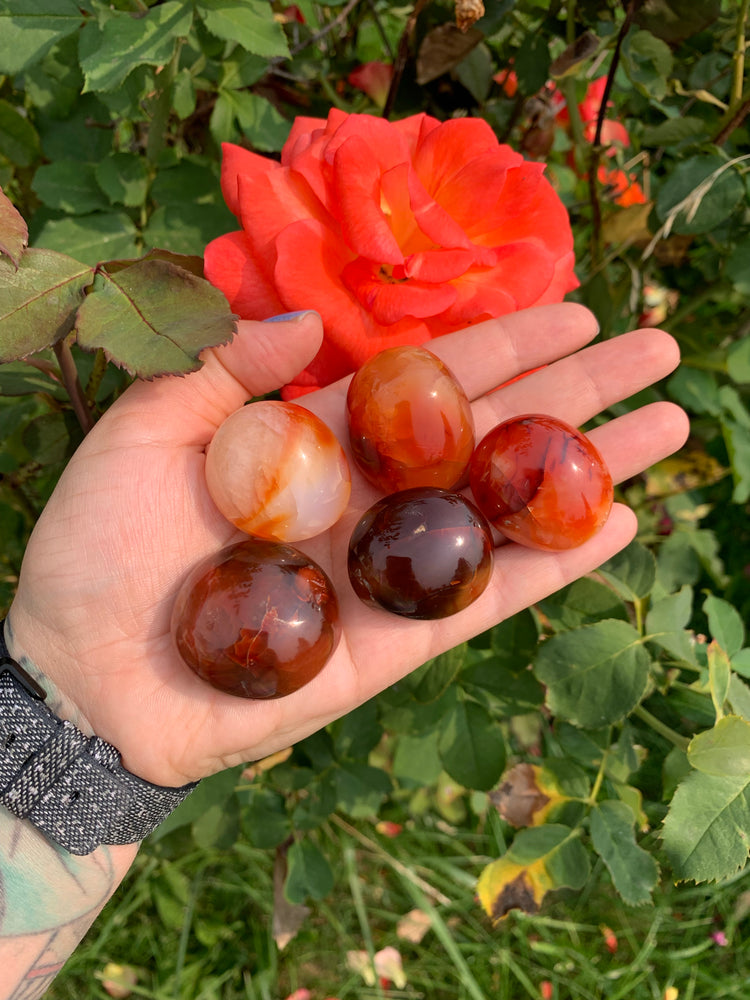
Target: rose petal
column 229, row 265
column 235, row 161
column 390, row 301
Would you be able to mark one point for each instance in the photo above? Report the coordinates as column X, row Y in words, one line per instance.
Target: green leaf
column 360, row 788
column 308, row 874
column 187, row 228
column 475, row 72
column 124, row 178
column 696, row 390
column 632, row 572
column 218, row 827
column 14, row 236
column 39, row 301
column 634, row 872
column 358, row 732
column 675, row 130
column 19, row 141
column 595, row 675
column 153, row 318
column 17, row 378
column 249, row 22
column 737, row 270
column 429, row 681
column 738, row 355
column 581, row 603
column 666, row 622
column 513, row 641
column 69, row 186
column 719, row 675
column 648, row 62
column 90, row 238
column 723, row 751
column 213, row 791
column 29, row 28
column 257, row 118
column 700, row 193
column 108, row 53
column 725, row 624
column 266, row 817
column 416, row 760
column 511, row 693
column 51, row 438
column 472, row 747
column 705, row 832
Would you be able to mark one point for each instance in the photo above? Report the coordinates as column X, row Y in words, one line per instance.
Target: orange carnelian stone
column 410, row 422
column 541, row 482
column 258, row 619
column 421, row 553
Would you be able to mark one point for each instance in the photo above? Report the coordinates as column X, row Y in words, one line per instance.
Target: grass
column 197, row 925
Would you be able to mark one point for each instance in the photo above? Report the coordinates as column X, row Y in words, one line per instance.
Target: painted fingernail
column 288, row 317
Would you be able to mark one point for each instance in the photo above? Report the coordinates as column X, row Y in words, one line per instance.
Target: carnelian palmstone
column 421, row 553
column 277, row 471
column 410, row 422
column 259, row 619
column 541, row 482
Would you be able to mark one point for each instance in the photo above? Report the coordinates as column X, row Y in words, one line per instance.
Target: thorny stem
column 73, row 386
column 596, row 232
column 681, row 742
column 339, row 19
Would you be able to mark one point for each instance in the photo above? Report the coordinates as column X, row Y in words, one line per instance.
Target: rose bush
column 395, row 232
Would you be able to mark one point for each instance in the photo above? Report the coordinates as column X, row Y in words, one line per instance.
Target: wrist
column 70, row 785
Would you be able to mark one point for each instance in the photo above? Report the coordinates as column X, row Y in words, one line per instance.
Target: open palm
column 131, row 516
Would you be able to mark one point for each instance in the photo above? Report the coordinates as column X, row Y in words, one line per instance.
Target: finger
column 635, row 441
column 581, row 385
column 261, row 357
column 484, row 356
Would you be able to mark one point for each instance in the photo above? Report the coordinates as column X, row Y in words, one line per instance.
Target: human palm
column 131, row 516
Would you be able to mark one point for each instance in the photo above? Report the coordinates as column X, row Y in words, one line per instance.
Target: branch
column 73, row 385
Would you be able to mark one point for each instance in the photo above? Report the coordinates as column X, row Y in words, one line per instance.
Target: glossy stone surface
column 277, row 471
column 421, row 553
column 410, row 422
column 259, row 619
column 541, row 482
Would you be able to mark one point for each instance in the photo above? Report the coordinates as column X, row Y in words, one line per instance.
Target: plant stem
column 596, row 788
column 402, row 57
column 96, row 376
column 73, row 386
column 157, row 131
column 681, row 742
column 738, row 59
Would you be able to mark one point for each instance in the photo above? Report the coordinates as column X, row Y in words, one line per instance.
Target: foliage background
column 111, row 119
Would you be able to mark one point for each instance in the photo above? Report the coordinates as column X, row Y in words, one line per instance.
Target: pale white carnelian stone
column 277, row 471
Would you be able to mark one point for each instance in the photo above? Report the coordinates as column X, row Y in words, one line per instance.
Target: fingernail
column 287, row 317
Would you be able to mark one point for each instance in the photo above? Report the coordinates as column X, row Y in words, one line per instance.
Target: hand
column 131, row 516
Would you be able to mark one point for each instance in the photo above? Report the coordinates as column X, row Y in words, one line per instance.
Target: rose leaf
column 14, row 234
column 153, row 318
column 39, row 301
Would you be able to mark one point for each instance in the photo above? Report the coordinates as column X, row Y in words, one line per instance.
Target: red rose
column 394, row 232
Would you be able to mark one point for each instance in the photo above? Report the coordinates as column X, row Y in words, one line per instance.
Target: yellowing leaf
column 680, row 473
column 527, row 795
column 504, row 886
column 539, row 859
column 628, row 224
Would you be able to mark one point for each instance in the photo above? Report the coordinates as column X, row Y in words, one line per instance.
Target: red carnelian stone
column 421, row 553
column 410, row 422
column 541, row 482
column 258, row 619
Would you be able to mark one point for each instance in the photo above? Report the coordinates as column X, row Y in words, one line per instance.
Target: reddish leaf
column 14, row 235
column 38, row 301
column 153, row 318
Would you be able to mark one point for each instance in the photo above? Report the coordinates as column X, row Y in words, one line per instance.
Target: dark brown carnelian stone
column 410, row 422
column 258, row 619
column 421, row 553
column 541, row 482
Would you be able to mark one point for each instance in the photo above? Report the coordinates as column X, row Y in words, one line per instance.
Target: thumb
column 263, row 356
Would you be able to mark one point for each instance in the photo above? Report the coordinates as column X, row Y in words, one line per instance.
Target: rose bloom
column 395, row 232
